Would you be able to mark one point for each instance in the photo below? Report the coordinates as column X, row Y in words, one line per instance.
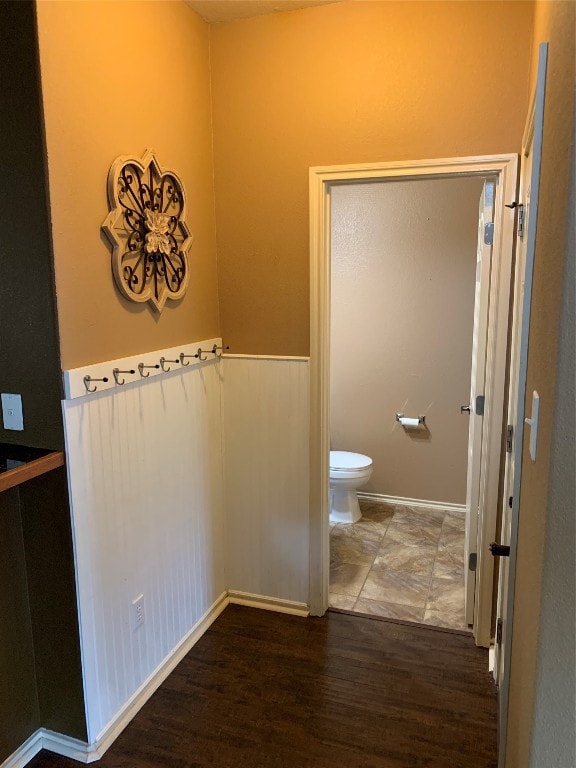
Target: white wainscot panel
column 145, row 473
column 266, row 460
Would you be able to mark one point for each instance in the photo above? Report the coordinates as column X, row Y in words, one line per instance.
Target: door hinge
column 489, row 233
column 521, row 219
column 498, row 631
column 479, row 410
column 509, row 437
column 472, row 561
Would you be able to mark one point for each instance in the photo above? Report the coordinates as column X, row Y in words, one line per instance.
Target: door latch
column 499, row 550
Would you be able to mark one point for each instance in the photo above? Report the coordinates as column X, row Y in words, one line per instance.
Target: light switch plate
column 12, row 411
column 532, row 422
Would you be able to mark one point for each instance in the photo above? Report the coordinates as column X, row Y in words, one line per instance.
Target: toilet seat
column 346, row 461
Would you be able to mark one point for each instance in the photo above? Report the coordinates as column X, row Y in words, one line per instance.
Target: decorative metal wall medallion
column 147, row 229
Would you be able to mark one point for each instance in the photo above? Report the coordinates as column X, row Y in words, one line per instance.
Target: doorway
column 322, row 182
column 403, row 273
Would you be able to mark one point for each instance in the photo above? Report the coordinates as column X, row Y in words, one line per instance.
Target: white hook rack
column 139, row 369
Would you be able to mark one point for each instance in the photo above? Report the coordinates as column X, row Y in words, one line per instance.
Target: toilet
column 348, row 472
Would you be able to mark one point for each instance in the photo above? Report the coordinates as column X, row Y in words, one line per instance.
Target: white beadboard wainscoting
column 266, row 480
column 146, row 486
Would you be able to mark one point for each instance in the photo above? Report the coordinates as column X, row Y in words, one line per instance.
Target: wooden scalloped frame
column 113, row 225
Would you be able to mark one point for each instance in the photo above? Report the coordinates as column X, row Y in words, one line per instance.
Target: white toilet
column 348, row 471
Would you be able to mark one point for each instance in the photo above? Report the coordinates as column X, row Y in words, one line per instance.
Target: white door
column 530, row 181
column 477, row 379
column 525, row 213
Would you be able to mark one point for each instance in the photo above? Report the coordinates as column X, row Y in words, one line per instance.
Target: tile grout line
column 446, row 578
column 433, row 567
column 380, row 540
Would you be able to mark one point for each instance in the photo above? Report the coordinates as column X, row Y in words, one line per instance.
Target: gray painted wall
column 554, row 734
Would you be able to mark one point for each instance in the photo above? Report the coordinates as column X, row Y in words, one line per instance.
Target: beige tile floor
column 402, row 563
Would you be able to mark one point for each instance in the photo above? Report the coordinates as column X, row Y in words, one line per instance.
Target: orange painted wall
column 117, row 78
column 344, row 83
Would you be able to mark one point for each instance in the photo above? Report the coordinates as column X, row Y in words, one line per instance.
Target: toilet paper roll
column 406, row 422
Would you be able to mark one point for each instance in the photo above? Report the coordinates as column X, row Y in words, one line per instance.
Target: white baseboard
column 68, row 747
column 424, row 503
column 89, row 753
column 268, row 603
column 492, row 661
column 55, row 742
column 25, row 752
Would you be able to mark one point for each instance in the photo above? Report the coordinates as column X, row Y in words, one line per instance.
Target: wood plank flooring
column 267, row 690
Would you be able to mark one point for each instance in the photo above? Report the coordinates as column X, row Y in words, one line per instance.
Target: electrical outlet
column 12, row 411
column 137, row 612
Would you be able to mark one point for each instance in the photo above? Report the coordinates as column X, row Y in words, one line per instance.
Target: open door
column 475, row 407
column 525, row 248
column 525, row 213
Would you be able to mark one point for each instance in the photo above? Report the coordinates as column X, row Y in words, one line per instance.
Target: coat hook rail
column 88, row 379
column 215, row 349
column 117, row 372
column 141, row 368
column 163, row 362
column 109, row 375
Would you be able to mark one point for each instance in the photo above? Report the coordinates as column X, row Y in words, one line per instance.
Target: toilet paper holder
column 410, row 421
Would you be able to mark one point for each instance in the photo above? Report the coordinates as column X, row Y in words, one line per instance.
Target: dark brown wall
column 40, row 666
column 29, row 358
column 40, row 673
column 19, row 713
column 52, row 599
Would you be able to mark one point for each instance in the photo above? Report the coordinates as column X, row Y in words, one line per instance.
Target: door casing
column 504, row 169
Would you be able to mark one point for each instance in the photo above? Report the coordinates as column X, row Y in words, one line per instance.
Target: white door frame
column 484, row 265
column 504, row 168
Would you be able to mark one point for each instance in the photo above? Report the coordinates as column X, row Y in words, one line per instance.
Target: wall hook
column 163, row 360
column 215, row 349
column 199, row 354
column 88, row 379
column 183, row 357
column 141, row 367
column 117, row 371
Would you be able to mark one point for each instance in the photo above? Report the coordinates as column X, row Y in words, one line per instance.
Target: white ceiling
column 227, row 10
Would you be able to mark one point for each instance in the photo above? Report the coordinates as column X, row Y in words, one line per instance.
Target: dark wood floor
column 266, row 690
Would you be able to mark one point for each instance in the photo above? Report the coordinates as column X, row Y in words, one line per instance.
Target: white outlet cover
column 12, row 412
column 137, row 612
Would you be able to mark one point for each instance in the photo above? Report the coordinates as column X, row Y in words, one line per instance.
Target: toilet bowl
column 348, row 472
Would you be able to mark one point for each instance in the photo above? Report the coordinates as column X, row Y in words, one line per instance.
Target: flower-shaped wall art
column 147, row 229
